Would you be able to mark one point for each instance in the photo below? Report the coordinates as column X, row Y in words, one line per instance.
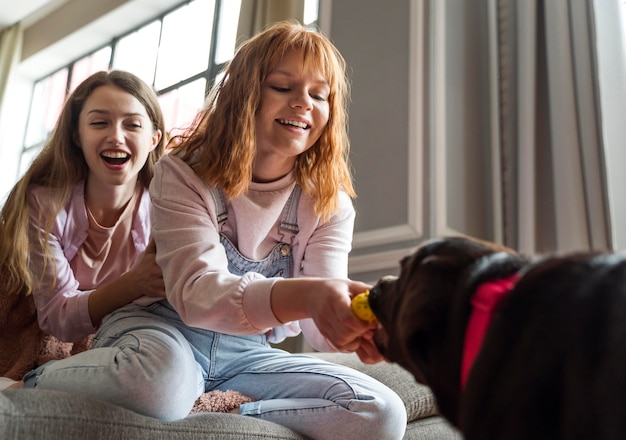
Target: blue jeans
column 147, row 360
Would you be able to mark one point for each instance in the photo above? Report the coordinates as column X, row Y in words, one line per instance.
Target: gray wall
column 376, row 48
column 419, row 124
column 373, row 38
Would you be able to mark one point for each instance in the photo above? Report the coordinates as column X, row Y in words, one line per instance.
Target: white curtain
column 553, row 175
column 10, row 55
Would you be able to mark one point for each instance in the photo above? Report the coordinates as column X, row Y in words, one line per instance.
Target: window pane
column 174, row 48
column 137, row 52
column 48, row 98
column 310, row 11
column 229, row 18
column 93, row 63
column 185, row 43
column 181, row 105
column 27, row 158
column 623, row 22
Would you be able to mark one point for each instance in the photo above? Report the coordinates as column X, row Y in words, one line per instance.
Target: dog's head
column 414, row 309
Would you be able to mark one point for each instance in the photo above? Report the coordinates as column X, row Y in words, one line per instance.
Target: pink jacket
column 63, row 312
column 195, row 268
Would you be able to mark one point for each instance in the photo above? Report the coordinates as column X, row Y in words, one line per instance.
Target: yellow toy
column 361, row 307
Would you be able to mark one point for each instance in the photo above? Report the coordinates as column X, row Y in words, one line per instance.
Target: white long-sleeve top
column 194, row 263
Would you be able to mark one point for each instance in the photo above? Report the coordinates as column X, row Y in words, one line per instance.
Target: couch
column 51, row 415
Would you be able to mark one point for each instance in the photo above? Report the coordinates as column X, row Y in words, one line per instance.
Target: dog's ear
column 426, row 285
column 413, row 355
column 429, row 283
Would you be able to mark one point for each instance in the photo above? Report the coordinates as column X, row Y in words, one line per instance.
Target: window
column 180, row 65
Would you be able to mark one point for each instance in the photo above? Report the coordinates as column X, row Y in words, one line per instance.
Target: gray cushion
column 55, row 415
column 431, row 428
column 45, row 414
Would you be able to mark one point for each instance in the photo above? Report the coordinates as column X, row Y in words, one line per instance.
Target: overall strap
column 289, row 222
column 220, row 206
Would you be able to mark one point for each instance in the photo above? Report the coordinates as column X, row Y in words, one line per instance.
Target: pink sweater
column 195, row 268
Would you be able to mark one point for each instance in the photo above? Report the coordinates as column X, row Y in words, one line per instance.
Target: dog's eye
column 436, row 261
column 431, row 259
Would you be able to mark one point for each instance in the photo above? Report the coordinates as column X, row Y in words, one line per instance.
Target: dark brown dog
column 552, row 364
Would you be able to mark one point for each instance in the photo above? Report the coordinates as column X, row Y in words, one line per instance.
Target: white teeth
column 294, row 123
column 115, row 154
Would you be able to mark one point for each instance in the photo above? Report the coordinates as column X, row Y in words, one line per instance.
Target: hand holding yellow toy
column 361, row 307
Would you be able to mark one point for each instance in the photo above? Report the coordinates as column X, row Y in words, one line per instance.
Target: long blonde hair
column 221, row 144
column 59, row 166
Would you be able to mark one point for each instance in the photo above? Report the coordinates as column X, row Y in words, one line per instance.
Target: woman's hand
column 332, row 312
column 367, row 351
column 327, row 302
column 146, row 275
column 145, row 279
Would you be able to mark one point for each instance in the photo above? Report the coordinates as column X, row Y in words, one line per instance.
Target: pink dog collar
column 484, row 303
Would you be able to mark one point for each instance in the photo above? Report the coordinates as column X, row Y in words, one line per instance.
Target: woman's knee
column 161, row 376
column 382, row 414
column 391, row 417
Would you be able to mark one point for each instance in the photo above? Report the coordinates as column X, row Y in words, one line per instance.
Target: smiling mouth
column 298, row 124
column 115, row 157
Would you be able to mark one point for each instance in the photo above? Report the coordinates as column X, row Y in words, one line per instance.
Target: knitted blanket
column 24, row 346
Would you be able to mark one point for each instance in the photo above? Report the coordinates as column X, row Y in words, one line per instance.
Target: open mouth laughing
column 115, row 157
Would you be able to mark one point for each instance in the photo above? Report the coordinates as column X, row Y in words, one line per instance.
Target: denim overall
column 278, row 263
column 147, row 360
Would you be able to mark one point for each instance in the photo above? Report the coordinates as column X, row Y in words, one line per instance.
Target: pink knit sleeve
column 194, row 263
column 62, row 311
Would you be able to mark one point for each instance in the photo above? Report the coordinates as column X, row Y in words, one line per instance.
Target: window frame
column 30, row 150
